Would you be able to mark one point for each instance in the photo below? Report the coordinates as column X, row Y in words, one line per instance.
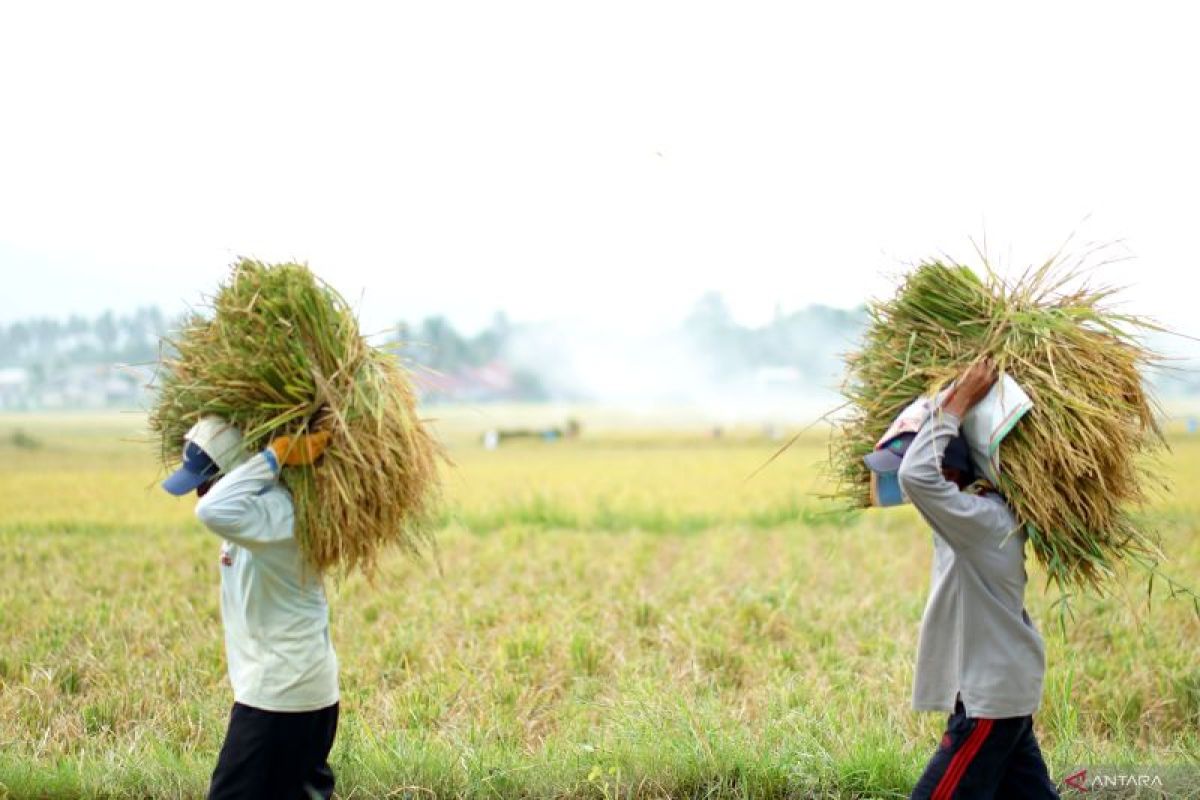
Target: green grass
column 614, row 617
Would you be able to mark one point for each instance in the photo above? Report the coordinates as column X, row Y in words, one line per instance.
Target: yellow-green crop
column 618, row 616
column 1079, row 464
column 281, row 353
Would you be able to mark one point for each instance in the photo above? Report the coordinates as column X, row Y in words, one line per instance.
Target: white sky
column 601, row 160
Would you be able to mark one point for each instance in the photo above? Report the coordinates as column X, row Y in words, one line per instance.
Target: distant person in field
column 979, row 658
column 281, row 661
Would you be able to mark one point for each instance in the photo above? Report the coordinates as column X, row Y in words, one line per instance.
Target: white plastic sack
column 986, row 425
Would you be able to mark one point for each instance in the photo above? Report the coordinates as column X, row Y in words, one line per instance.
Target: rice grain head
column 1077, row 465
column 280, row 353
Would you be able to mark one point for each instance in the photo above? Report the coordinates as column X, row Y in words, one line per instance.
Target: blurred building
column 15, row 389
column 74, row 386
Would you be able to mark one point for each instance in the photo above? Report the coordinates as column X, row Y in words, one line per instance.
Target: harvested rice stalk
column 281, row 353
column 1077, row 464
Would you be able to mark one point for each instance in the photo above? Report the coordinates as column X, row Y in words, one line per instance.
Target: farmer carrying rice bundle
column 341, row 468
column 950, row 368
column 979, row 657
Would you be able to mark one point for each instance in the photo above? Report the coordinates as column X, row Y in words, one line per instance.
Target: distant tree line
column 44, row 343
column 810, row 340
column 134, row 338
column 807, row 341
column 436, row 344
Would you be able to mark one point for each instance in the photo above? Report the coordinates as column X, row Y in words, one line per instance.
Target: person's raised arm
column 972, row 387
column 239, row 509
column 952, row 512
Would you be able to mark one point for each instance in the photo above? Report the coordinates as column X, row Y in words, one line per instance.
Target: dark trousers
column 986, row 758
column 275, row 754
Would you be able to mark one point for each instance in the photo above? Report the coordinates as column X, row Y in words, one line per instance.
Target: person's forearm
column 971, row 387
column 956, row 404
column 232, row 505
column 921, row 471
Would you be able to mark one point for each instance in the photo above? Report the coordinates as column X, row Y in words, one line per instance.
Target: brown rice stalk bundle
column 1076, row 466
column 281, row 353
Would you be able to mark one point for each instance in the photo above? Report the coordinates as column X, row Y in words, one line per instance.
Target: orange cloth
column 294, row 451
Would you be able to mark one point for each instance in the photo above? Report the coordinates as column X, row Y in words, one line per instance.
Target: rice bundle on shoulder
column 1075, row 466
column 281, row 353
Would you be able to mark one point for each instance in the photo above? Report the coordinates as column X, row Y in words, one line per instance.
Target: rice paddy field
column 621, row 615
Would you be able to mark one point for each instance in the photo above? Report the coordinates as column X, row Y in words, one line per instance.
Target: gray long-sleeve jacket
column 976, row 638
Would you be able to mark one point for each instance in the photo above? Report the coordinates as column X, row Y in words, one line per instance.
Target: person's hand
column 294, row 451
column 972, row 387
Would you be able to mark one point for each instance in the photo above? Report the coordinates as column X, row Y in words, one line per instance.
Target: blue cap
column 889, row 457
column 886, row 489
column 197, row 468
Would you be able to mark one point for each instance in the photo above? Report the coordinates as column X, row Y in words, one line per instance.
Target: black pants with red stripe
column 986, row 758
column 275, row 755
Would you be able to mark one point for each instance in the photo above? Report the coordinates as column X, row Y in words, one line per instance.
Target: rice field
column 621, row 615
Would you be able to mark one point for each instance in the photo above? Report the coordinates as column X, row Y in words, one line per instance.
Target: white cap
column 220, row 440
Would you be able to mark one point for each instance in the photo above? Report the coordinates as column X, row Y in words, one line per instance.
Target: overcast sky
column 569, row 160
